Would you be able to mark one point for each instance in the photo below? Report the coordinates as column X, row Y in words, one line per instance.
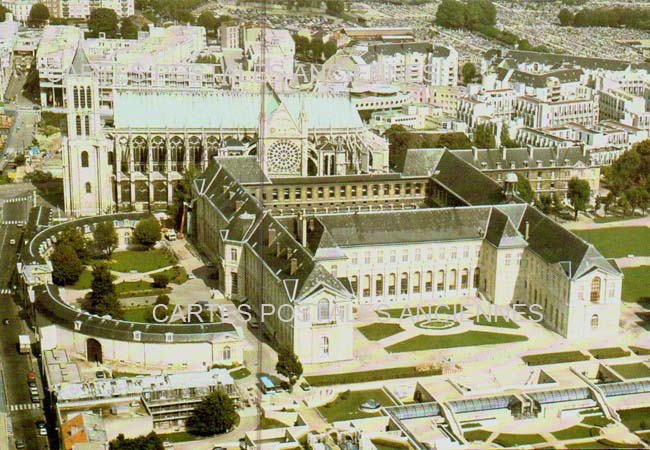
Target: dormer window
column 512, row 164
column 137, row 335
column 169, row 337
column 77, row 325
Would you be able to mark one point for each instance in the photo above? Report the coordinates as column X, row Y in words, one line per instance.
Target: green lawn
column 84, row 280
column 267, row 424
column 378, row 331
column 609, row 352
column 635, row 419
column 370, row 375
column 516, row 440
column 494, row 321
column 118, row 374
column 385, row 444
column 465, row 339
column 240, row 373
column 642, row 351
column 423, row 311
column 636, row 283
column 574, row 432
column 346, row 405
column 477, row 435
column 131, row 286
column 608, row 219
column 602, row 444
column 632, row 371
column 142, row 314
column 142, row 261
column 181, row 436
column 596, row 421
column 617, row 242
column 554, row 358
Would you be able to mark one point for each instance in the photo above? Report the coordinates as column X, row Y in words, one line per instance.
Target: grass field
column 176, row 274
column 477, row 435
column 554, row 358
column 267, row 424
column 617, row 242
column 517, row 440
column 609, row 352
column 636, row 419
column 142, row 261
column 494, row 321
column 346, row 405
column 608, row 219
column 640, row 350
column 635, row 283
column 632, row 371
column 84, row 280
column 370, row 375
column 596, row 421
column 466, row 339
column 574, row 432
column 601, row 444
column 240, row 373
column 181, row 436
column 142, row 314
column 378, row 331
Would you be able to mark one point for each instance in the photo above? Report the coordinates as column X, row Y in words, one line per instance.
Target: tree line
column 607, row 16
column 479, row 16
column 628, row 180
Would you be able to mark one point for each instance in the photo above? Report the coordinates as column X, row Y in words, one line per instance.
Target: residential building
column 8, row 39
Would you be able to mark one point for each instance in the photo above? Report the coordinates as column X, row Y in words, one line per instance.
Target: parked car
column 19, row 443
column 12, row 242
column 191, row 276
column 31, row 375
column 35, row 398
column 31, row 383
column 305, row 386
column 100, row 374
column 42, row 430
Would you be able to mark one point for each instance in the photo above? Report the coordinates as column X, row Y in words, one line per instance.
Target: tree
column 66, row 265
column 160, row 280
column 566, row 17
column 103, row 20
column 128, row 29
column 105, row 237
column 484, row 136
column 316, row 48
column 302, row 45
column 556, row 203
column 505, row 138
column 544, row 203
column 215, row 414
column 147, row 232
column 468, row 72
column 334, row 7
column 578, row 194
column 3, row 13
column 102, row 298
column 73, row 237
column 38, row 15
column 208, row 21
column 19, row 160
column 149, row 442
column 329, row 49
column 450, row 14
column 289, row 365
column 162, row 299
column 524, row 189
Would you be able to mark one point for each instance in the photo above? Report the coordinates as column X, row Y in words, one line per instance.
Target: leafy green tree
column 19, row 160
column 316, row 48
column 128, row 29
column 147, row 232
column 105, row 237
column 334, row 7
column 73, row 237
column 66, row 265
column 103, row 20
column 451, row 14
column 329, row 49
column 468, row 72
column 102, row 298
column 160, row 280
column 149, row 442
column 505, row 138
column 452, row 141
column 38, row 15
column 578, row 194
column 3, row 12
column 556, row 203
column 544, row 203
column 32, row 86
column 608, row 201
column 289, row 365
column 162, row 299
column 302, row 45
column 208, row 21
column 215, row 414
column 524, row 189
column 566, row 17
column 484, row 136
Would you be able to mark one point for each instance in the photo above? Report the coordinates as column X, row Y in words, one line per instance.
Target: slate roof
column 539, row 80
column 559, row 60
column 246, row 169
column 522, row 156
column 375, row 50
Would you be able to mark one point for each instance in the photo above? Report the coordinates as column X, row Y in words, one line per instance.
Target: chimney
column 503, row 152
column 288, row 252
column 272, row 235
column 583, row 148
column 294, row 266
column 531, row 151
column 526, row 233
column 474, row 153
column 301, row 228
column 278, row 250
column 238, row 205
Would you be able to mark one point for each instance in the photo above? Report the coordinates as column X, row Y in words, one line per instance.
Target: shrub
column 162, row 299
column 160, row 280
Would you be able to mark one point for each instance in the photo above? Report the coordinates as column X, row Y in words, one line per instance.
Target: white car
column 191, row 276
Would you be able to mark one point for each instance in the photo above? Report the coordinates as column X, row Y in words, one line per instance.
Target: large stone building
column 438, row 229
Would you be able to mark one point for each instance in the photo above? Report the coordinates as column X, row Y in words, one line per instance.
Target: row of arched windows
column 82, row 97
column 82, row 125
column 414, row 284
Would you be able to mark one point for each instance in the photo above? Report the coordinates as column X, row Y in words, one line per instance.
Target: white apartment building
column 20, row 8
column 538, row 113
column 229, row 35
column 418, row 116
column 8, row 38
column 624, row 107
column 486, row 105
column 423, row 63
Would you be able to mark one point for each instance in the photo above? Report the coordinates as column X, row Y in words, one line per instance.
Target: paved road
column 23, row 414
